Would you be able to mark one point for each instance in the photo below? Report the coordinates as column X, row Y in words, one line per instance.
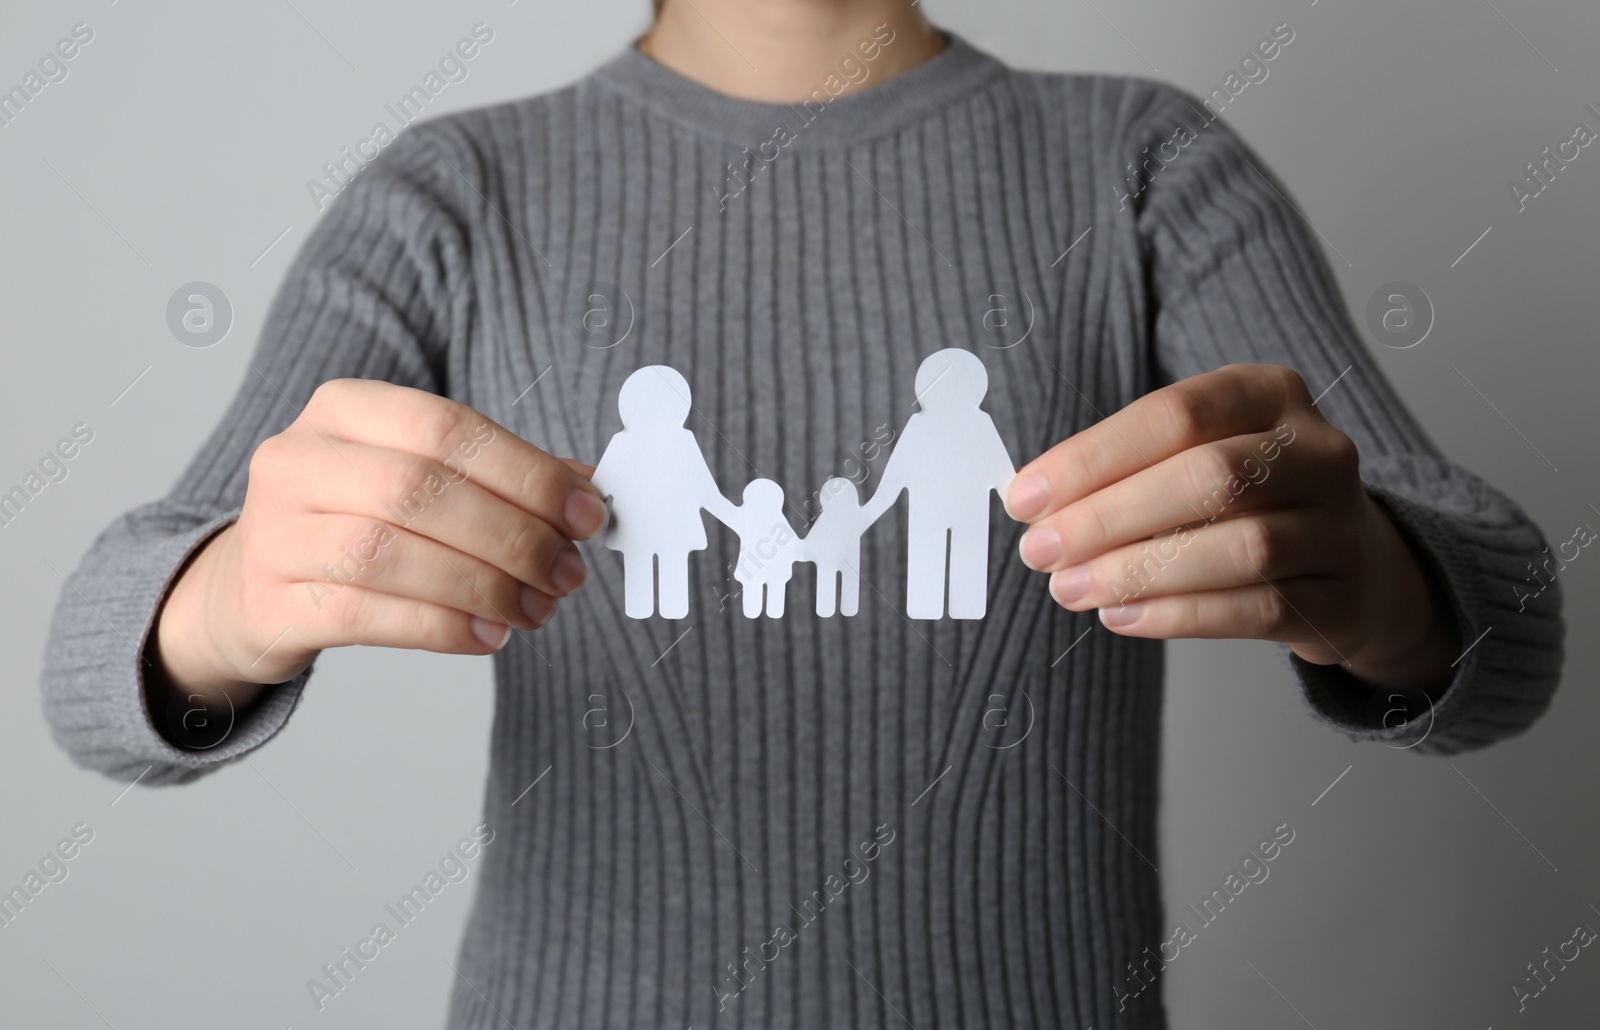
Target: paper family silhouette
column 947, row 459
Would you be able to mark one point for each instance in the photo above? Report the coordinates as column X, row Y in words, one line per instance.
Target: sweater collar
column 954, row 71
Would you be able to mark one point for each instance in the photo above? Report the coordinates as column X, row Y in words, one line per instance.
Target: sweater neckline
column 931, row 85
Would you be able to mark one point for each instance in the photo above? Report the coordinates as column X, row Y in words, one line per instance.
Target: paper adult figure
column 656, row 479
column 834, row 543
column 948, row 458
column 768, row 548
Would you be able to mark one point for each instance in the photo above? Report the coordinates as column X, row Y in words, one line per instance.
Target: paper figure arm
column 713, row 501
column 999, row 472
column 601, row 479
column 894, row 481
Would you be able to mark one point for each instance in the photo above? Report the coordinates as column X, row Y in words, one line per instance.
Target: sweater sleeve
column 375, row 293
column 1236, row 274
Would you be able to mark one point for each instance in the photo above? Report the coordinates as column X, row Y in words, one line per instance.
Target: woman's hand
column 1225, row 505
column 383, row 515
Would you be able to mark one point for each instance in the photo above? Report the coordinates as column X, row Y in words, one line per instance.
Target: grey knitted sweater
column 806, row 822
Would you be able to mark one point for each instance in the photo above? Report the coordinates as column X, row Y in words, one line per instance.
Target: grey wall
column 178, row 149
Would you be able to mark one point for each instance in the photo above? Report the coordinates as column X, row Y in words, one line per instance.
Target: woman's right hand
column 383, row 515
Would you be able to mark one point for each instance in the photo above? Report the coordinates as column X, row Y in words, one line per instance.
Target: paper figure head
column 834, row 488
column 763, row 493
column 951, row 379
column 654, row 397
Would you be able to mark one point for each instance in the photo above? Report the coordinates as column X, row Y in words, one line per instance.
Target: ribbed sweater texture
column 743, row 769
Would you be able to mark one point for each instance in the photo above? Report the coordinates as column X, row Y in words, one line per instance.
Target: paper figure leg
column 674, row 574
column 969, row 575
column 752, row 600
column 827, row 591
column 925, row 572
column 639, row 585
column 850, row 592
column 776, row 594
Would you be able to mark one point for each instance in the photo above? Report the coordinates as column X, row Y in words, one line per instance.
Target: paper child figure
column 768, row 548
column 834, row 544
column 656, row 479
column 948, row 458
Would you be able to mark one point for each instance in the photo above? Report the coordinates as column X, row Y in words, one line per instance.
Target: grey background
column 178, row 149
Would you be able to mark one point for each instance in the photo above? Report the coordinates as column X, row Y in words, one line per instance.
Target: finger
column 1195, row 487
column 581, row 468
column 1235, row 552
column 356, row 615
column 1288, row 610
column 350, row 550
column 1230, row 401
column 428, row 498
column 385, row 415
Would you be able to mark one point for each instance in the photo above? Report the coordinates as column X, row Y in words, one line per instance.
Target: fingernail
column 493, row 634
column 537, row 605
column 568, row 571
column 1122, row 615
column 1071, row 584
column 1041, row 548
column 1027, row 497
column 585, row 513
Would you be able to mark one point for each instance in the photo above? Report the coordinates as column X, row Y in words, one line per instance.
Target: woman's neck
column 779, row 51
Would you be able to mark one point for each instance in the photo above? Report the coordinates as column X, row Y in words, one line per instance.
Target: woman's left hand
column 1225, row 505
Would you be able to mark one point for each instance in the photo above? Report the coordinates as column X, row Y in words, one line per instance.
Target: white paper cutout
column 657, row 481
column 947, row 460
column 834, row 543
column 768, row 548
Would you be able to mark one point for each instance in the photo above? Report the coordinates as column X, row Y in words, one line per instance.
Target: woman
column 803, row 199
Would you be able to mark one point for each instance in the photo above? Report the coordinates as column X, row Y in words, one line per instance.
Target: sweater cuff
column 107, row 703
column 1511, row 642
